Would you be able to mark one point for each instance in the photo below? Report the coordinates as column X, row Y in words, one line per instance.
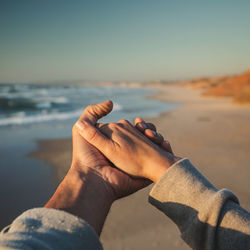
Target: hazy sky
column 122, row 39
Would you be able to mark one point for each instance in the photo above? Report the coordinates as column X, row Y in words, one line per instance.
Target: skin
column 149, row 130
column 119, row 140
column 93, row 183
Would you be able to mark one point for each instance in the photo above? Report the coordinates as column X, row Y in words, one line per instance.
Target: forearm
column 83, row 195
column 207, row 217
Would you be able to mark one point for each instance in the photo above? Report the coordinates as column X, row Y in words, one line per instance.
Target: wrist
column 162, row 162
column 84, row 194
column 93, row 184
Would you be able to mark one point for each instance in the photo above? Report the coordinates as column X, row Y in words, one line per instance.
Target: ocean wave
column 47, row 103
column 20, row 118
column 26, row 104
column 14, row 104
column 7, row 104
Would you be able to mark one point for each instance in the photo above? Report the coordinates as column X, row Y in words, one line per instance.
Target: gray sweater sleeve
column 47, row 229
column 207, row 218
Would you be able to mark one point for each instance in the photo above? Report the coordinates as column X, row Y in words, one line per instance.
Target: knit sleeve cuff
column 46, row 228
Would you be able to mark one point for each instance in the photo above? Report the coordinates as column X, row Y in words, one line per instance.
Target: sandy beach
column 212, row 132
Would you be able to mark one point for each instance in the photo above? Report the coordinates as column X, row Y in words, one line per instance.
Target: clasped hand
column 133, row 150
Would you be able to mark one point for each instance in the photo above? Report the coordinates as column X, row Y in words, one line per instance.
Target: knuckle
column 92, row 135
column 93, row 110
column 88, row 110
column 89, row 107
column 123, row 121
column 113, row 125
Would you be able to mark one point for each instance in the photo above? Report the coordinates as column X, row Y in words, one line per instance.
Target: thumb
column 93, row 113
column 92, row 135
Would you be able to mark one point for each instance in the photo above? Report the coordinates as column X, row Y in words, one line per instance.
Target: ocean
column 29, row 112
column 27, row 104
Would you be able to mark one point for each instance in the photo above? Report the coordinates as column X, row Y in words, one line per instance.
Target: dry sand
column 213, row 133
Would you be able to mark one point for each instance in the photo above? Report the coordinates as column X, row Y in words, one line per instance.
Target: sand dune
column 236, row 86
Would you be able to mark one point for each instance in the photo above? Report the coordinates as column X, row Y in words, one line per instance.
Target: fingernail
column 81, row 125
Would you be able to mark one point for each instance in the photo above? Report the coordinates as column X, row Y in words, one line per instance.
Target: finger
column 125, row 122
column 166, row 145
column 138, row 123
column 154, row 136
column 151, row 126
column 160, row 137
column 92, row 135
column 108, row 129
column 141, row 126
column 137, row 120
column 149, row 134
column 93, row 113
column 100, row 125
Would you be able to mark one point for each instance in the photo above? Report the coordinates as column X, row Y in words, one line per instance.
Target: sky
column 129, row 40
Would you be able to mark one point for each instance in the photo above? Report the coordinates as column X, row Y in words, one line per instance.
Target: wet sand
column 212, row 132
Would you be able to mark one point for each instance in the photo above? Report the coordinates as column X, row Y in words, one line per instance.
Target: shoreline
column 212, row 132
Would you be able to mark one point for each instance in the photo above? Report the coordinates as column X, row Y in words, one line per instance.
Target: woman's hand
column 127, row 148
